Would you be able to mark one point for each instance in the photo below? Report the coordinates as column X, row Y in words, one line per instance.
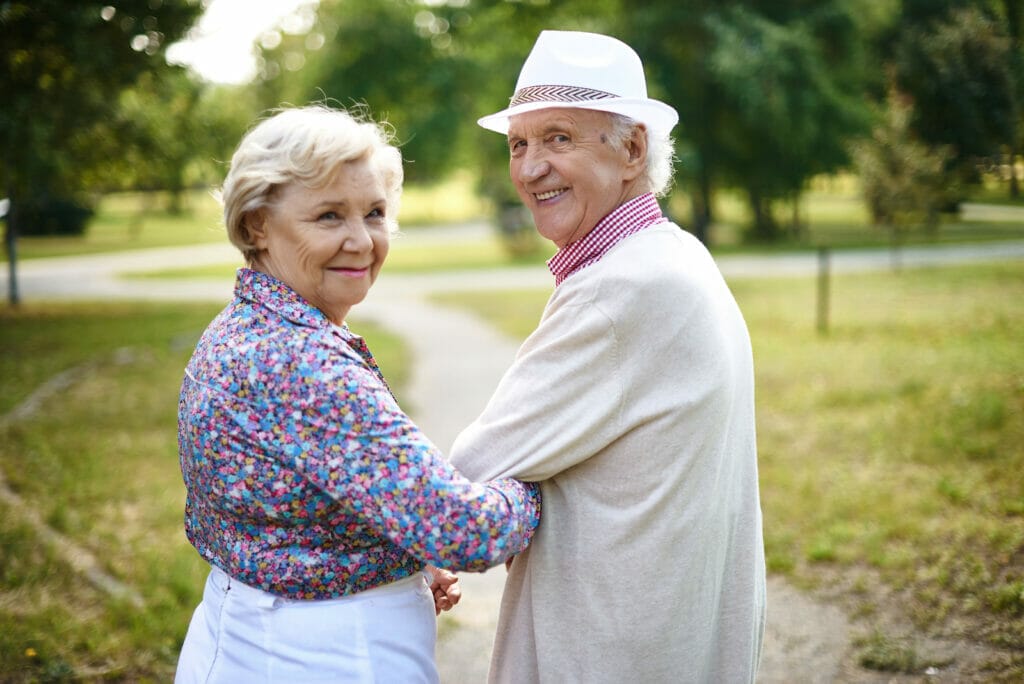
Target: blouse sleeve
column 351, row 439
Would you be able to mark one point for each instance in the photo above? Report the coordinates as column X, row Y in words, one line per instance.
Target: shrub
column 47, row 214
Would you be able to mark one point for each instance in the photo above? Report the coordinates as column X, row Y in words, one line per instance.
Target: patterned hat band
column 557, row 93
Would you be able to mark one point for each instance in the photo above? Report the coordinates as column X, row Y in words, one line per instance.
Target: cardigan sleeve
column 559, row 402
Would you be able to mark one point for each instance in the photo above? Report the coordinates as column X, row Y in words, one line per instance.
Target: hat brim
column 656, row 115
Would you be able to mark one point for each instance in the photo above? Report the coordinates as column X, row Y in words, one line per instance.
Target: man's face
column 567, row 170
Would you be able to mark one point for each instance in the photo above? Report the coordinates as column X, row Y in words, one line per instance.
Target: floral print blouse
column 304, row 478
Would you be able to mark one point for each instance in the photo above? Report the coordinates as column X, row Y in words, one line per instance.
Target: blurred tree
column 62, row 65
column 177, row 132
column 227, row 112
column 903, row 179
column 287, row 55
column 675, row 43
column 955, row 60
column 767, row 93
column 161, row 132
column 395, row 57
column 1013, row 17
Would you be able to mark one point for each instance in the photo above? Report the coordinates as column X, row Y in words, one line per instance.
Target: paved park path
column 458, row 360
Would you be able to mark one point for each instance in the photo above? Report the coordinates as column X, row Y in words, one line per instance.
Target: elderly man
column 632, row 403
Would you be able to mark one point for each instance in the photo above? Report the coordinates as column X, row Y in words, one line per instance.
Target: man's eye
column 328, row 216
column 516, row 145
column 560, row 138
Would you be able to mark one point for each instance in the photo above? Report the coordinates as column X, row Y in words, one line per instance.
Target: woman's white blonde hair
column 306, row 145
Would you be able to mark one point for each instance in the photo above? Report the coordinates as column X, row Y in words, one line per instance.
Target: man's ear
column 636, row 151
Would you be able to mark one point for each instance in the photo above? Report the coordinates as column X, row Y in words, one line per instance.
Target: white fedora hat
column 584, row 70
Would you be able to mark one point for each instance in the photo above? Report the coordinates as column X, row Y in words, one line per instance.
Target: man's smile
column 541, row 196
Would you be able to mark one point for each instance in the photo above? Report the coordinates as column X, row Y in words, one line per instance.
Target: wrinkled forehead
column 541, row 121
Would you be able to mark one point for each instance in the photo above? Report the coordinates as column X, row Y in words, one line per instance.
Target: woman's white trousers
column 241, row 635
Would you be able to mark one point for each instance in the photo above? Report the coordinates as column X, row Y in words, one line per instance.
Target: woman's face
column 329, row 243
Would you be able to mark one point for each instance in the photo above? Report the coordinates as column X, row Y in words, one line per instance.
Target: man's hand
column 445, row 589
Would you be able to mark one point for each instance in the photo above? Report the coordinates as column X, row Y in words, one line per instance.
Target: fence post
column 823, row 289
column 11, row 244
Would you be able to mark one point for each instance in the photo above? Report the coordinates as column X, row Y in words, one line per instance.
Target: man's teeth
column 548, row 195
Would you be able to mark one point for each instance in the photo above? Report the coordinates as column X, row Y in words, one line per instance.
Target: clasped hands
column 444, row 586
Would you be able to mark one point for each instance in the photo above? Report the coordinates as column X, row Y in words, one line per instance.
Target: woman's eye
column 377, row 213
column 328, row 216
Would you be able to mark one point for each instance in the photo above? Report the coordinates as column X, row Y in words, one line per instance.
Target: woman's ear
column 256, row 226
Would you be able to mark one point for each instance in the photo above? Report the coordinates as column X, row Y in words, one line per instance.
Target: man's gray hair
column 660, row 153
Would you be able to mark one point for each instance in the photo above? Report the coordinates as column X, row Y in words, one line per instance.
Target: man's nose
column 533, row 165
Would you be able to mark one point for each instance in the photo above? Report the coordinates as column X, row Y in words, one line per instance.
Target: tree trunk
column 11, row 243
column 797, row 228
column 1014, row 23
column 701, row 209
column 176, row 191
column 1014, row 184
column 764, row 228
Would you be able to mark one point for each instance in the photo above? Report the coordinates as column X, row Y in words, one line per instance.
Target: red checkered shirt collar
column 635, row 215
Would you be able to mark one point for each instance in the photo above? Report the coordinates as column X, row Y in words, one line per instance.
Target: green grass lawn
column 892, row 448
column 98, row 461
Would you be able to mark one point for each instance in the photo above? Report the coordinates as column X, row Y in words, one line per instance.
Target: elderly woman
column 314, row 498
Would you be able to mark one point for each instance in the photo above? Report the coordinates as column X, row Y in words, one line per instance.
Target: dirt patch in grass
column 895, row 635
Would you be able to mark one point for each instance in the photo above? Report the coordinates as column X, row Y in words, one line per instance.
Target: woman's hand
column 444, row 586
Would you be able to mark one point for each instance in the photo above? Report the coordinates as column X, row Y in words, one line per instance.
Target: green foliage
column 770, row 93
column 903, row 180
column 955, row 61
column 766, row 94
column 43, row 214
column 395, row 57
column 176, row 133
column 62, row 66
column 788, row 111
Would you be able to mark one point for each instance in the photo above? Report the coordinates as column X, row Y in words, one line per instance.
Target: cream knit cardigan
column 632, row 404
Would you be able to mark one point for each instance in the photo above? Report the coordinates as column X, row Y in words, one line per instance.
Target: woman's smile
column 350, row 272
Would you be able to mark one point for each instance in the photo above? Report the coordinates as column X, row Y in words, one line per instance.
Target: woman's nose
column 358, row 239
